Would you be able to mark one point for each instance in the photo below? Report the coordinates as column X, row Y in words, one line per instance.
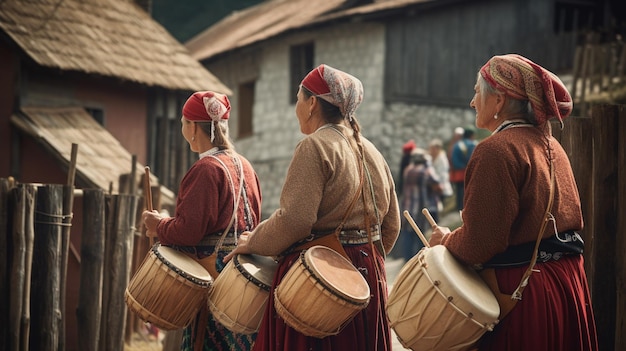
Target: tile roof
column 100, row 160
column 113, row 38
column 274, row 17
column 256, row 23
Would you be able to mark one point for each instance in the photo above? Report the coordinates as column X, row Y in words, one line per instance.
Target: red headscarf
column 337, row 87
column 522, row 79
column 205, row 106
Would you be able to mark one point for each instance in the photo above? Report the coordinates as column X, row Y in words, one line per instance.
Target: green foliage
column 187, row 18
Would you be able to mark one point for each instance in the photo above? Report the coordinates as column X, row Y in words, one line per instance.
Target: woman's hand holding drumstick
column 438, row 232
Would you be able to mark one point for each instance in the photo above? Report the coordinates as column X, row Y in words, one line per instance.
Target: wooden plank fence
column 596, row 146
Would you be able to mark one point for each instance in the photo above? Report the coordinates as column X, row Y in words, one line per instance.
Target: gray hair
column 511, row 106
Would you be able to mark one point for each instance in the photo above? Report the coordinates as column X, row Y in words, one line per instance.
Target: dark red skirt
column 555, row 312
column 369, row 330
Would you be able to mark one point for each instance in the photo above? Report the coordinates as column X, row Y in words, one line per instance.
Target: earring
column 193, row 138
column 495, row 116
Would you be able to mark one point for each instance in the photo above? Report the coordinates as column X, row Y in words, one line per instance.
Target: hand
column 241, row 248
column 437, row 235
column 151, row 221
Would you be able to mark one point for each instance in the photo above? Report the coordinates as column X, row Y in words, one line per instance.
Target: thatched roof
column 100, row 160
column 112, row 38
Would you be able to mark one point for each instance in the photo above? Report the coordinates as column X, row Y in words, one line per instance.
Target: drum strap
column 508, row 302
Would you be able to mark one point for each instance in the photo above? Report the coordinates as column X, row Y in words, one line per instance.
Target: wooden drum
column 168, row 289
column 320, row 293
column 238, row 297
column 437, row 303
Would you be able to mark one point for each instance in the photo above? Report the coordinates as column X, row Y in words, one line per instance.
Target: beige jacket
column 321, row 181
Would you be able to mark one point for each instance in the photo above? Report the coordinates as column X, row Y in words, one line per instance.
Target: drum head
column 183, row 262
column 336, row 271
column 257, row 267
column 461, row 282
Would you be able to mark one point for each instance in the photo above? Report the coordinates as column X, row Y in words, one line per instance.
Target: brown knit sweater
column 321, row 181
column 507, row 189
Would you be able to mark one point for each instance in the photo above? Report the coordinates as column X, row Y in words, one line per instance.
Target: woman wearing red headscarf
column 322, row 181
column 205, row 207
column 521, row 198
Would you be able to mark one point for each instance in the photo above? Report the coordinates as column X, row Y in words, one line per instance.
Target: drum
column 437, row 303
column 168, row 289
column 238, row 297
column 320, row 293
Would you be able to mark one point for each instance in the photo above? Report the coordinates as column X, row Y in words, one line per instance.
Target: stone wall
column 358, row 48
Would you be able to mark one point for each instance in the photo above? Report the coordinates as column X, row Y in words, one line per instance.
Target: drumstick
column 148, row 195
column 430, row 218
column 408, row 217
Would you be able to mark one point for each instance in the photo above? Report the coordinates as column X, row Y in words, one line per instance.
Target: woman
column 321, row 182
column 422, row 189
column 508, row 196
column 208, row 194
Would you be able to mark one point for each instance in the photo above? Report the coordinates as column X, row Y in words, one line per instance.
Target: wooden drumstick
column 408, row 217
column 430, row 218
column 148, row 195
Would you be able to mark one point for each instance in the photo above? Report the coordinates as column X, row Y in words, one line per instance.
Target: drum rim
column 170, row 265
column 249, row 276
column 328, row 287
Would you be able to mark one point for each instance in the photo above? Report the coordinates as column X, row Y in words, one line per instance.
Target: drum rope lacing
column 449, row 299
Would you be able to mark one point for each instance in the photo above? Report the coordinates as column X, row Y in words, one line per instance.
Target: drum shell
column 307, row 303
column 242, row 311
column 160, row 295
column 437, row 303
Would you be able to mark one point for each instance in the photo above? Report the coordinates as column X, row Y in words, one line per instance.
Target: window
column 301, row 62
column 246, row 102
column 97, row 114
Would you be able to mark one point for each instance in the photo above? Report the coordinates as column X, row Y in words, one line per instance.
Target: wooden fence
column 596, row 147
column 32, row 222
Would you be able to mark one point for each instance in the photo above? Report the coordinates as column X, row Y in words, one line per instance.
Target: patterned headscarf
column 337, row 87
column 207, row 106
column 522, row 79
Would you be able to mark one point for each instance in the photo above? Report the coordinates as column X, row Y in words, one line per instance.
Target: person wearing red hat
column 218, row 199
column 522, row 212
column 321, row 199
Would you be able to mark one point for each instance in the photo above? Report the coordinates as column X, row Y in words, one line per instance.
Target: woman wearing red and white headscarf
column 511, row 197
column 321, row 183
column 205, row 204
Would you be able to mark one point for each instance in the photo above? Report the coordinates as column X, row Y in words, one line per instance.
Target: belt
column 213, row 239
column 352, row 236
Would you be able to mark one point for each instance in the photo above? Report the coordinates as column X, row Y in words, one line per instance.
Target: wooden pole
column 68, row 204
column 89, row 311
column 118, row 249
column 5, row 189
column 29, row 231
column 46, row 267
column 17, row 275
column 620, row 244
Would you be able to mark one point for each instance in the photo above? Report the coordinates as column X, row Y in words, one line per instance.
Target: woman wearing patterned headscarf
column 205, row 207
column 322, row 180
column 521, row 198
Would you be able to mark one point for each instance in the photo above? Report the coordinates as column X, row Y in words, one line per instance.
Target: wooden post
column 603, row 290
column 68, row 204
column 46, row 267
column 118, row 252
column 89, row 310
column 5, row 188
column 620, row 244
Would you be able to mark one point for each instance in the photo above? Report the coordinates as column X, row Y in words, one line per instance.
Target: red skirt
column 555, row 312
column 368, row 330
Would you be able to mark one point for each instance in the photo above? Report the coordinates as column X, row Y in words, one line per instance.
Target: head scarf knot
column 522, row 79
column 207, row 106
column 337, row 87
